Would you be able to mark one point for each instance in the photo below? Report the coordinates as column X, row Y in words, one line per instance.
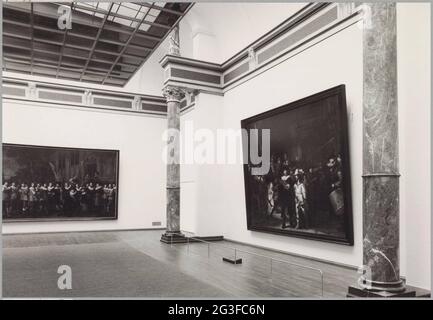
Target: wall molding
column 94, row 99
column 50, row 94
column 309, row 26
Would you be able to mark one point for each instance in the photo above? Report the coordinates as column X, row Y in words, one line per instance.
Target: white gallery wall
column 219, row 194
column 138, row 138
column 318, row 68
column 214, row 32
column 414, row 98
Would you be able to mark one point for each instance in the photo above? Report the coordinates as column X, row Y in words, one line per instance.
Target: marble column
column 380, row 152
column 174, row 95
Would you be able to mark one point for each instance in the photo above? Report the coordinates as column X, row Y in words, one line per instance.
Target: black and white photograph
column 58, row 183
column 306, row 191
column 183, row 150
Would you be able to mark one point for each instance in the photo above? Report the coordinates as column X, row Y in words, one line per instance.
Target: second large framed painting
column 305, row 191
column 57, row 183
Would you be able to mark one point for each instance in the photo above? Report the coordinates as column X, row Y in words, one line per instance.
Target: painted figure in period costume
column 90, row 196
column 99, row 195
column 6, row 197
column 271, row 199
column 110, row 197
column 57, row 197
column 43, row 198
column 50, row 197
column 74, row 196
column 33, row 200
column 14, row 198
column 300, row 198
column 296, row 193
column 39, row 200
column 286, row 199
column 334, row 181
column 66, row 198
column 24, row 197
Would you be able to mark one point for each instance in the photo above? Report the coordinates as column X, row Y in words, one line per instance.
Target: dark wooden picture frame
column 326, row 113
column 86, row 165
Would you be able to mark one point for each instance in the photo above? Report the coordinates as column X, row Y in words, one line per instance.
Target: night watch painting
column 57, row 183
column 305, row 191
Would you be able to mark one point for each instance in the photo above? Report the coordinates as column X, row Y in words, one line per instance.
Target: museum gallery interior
column 242, row 150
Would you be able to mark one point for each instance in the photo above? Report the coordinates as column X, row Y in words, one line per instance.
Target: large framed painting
column 305, row 191
column 57, row 183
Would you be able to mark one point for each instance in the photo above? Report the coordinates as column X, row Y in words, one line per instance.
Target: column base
column 173, row 237
column 357, row 292
column 389, row 286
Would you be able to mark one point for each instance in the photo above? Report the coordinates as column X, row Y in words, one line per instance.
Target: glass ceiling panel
column 104, row 34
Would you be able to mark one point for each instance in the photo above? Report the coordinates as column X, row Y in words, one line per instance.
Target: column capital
column 173, row 94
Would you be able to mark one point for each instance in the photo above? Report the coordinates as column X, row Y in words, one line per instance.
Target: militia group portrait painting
column 58, row 183
column 306, row 190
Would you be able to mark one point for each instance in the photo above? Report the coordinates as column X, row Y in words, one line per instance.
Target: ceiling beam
column 46, row 29
column 118, row 15
column 32, row 36
column 136, row 13
column 163, row 9
column 62, row 48
column 77, row 65
column 101, row 48
column 50, row 65
column 140, row 33
column 137, row 27
column 96, row 39
column 119, row 43
column 111, row 26
column 79, row 35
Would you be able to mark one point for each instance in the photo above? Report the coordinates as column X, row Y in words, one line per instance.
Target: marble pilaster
column 380, row 152
column 174, row 95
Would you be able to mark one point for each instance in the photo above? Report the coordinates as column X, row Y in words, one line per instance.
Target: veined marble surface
column 381, row 179
column 380, row 90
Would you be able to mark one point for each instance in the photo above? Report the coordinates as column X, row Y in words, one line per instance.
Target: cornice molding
column 83, row 97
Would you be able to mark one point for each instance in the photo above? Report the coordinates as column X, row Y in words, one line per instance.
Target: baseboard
column 207, row 238
column 338, row 264
column 80, row 231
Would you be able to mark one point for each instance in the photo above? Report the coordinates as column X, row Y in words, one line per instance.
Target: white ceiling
column 233, row 26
